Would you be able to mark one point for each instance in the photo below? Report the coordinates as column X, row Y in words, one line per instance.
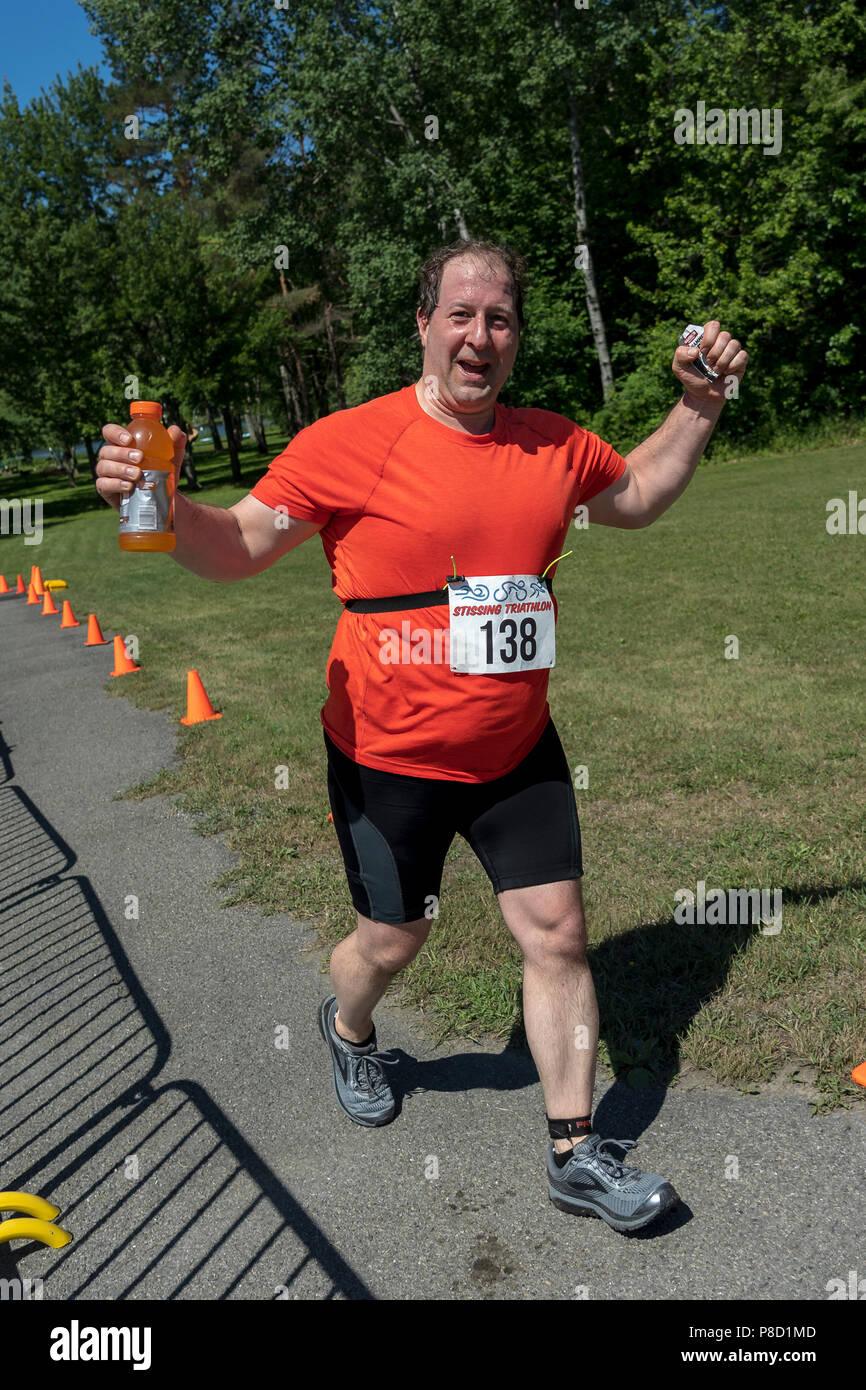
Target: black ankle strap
column 569, row 1129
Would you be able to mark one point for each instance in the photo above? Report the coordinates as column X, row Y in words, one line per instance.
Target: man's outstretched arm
column 660, row 469
column 218, row 543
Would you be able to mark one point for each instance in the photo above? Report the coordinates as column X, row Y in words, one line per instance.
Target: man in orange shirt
column 437, row 721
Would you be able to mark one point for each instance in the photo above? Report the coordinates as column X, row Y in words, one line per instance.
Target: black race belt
column 395, row 602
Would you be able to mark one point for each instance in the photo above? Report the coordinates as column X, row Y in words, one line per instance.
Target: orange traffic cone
column 4, row 587
column 330, row 815
column 21, row 587
column 32, row 596
column 94, row 633
column 69, row 618
column 198, row 706
column 859, row 1074
column 36, row 579
column 48, row 604
column 123, row 666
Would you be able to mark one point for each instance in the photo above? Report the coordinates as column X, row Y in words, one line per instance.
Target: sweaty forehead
column 475, row 281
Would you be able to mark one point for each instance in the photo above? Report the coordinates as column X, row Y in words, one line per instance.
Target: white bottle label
column 147, row 507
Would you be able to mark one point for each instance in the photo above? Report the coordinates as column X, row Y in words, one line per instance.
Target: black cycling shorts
column 395, row 831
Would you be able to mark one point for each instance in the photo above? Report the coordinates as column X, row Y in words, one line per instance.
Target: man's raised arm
column 660, row 469
column 218, row 543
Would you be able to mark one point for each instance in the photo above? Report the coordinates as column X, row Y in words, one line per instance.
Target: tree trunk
column 214, row 429
column 289, row 392
column 70, row 464
column 187, row 469
column 596, row 321
column 294, row 420
column 302, row 387
column 332, row 353
column 232, row 445
column 459, row 218
column 320, row 388
column 91, row 455
column 255, row 423
column 258, row 416
column 173, row 416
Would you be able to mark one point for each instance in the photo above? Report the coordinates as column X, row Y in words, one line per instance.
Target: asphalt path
column 143, row 1092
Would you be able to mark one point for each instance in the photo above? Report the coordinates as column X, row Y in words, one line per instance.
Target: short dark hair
column 430, row 274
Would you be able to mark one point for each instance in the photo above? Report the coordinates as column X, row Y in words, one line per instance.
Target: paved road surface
column 142, row 1092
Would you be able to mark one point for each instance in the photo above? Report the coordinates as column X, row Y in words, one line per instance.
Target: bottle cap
column 145, row 408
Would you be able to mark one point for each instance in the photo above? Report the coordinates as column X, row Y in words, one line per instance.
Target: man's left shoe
column 594, row 1183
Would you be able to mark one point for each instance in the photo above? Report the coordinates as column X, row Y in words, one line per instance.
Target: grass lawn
column 741, row 773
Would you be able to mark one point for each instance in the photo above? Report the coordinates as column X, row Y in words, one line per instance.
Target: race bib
column 501, row 622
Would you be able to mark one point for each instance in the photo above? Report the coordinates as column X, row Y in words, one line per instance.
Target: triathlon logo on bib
column 499, row 623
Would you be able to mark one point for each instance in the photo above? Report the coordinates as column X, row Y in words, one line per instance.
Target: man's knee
column 389, row 947
column 562, row 939
column 547, row 922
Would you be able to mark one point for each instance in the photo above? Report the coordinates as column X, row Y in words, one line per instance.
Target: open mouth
column 475, row 371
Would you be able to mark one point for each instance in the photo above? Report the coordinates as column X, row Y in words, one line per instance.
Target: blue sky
column 44, row 38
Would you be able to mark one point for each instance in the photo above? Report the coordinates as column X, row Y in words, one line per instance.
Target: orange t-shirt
column 399, row 494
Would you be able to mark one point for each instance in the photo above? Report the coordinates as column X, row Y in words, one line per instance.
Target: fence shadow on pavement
column 163, row 1195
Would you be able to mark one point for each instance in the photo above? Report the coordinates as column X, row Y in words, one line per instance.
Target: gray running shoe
column 359, row 1082
column 594, row 1183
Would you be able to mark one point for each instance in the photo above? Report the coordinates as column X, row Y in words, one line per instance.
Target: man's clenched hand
column 724, row 355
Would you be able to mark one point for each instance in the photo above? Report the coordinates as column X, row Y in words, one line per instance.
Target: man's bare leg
column 364, row 964
column 559, row 1005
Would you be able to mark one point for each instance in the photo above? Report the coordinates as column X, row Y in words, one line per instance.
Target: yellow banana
column 29, row 1202
column 28, row 1228
column 37, row 1225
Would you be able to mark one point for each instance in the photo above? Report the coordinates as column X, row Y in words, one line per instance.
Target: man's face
column 471, row 339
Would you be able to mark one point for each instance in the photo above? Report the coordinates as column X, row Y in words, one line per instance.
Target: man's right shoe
column 594, row 1183
column 359, row 1082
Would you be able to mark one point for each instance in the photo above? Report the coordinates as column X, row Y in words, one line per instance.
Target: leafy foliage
column 359, row 137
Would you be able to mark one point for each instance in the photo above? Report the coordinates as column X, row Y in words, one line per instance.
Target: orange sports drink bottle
column 147, row 512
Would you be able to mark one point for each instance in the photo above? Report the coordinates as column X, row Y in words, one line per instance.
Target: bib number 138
column 501, row 623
